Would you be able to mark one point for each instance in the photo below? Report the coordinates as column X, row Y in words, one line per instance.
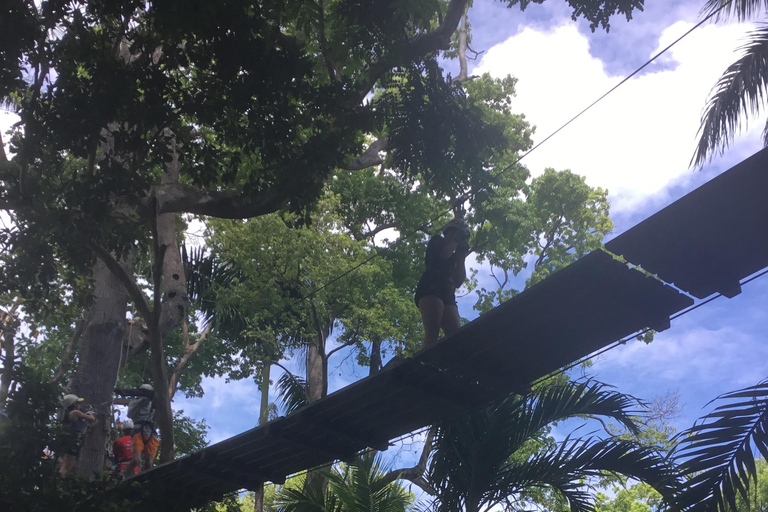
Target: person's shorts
column 121, row 467
column 141, row 444
column 440, row 288
column 70, row 444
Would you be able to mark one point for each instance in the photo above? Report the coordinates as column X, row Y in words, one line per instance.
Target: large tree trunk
column 100, row 360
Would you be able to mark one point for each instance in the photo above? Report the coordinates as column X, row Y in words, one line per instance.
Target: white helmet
column 68, row 400
column 127, row 424
column 147, row 386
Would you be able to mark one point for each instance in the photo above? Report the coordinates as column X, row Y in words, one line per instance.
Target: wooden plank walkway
column 710, row 239
column 580, row 309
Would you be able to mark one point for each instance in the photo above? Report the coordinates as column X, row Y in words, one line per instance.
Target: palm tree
column 357, row 486
column 487, row 459
column 741, row 90
column 717, row 454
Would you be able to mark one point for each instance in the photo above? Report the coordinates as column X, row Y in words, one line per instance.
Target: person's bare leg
column 431, row 309
column 149, row 460
column 67, row 463
column 135, row 461
column 451, row 320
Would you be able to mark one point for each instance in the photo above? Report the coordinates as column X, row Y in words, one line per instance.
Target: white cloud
column 639, row 138
column 698, row 357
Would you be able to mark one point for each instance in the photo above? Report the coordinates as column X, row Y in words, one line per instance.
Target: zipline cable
column 506, row 169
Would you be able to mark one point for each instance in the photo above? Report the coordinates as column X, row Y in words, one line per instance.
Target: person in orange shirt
column 144, row 440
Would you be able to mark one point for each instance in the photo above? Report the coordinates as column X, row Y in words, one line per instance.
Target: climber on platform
column 445, row 272
column 122, row 449
column 75, row 423
column 144, row 438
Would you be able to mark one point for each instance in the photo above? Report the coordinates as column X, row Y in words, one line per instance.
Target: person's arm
column 76, row 415
column 134, row 392
column 459, row 274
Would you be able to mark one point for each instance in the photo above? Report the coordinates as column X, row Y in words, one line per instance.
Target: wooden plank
column 710, row 239
column 577, row 310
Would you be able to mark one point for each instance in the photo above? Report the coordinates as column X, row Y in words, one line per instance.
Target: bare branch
column 178, row 197
column 414, row 474
column 69, row 350
column 462, row 76
column 369, row 158
column 418, row 46
column 189, row 351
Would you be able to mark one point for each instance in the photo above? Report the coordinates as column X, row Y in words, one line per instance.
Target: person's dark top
column 78, row 426
column 436, row 279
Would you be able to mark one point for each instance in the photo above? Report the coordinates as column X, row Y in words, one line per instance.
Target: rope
column 506, row 169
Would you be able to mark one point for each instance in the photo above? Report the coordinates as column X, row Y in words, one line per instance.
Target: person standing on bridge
column 445, row 272
column 144, row 438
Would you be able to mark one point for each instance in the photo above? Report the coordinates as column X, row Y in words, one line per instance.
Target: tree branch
column 119, row 272
column 369, row 158
column 190, row 349
column 418, row 46
column 323, row 42
column 414, row 474
column 178, row 197
column 462, row 77
column 66, row 356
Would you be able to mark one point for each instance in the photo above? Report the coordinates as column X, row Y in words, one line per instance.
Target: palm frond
column 566, row 467
column 353, row 487
column 742, row 10
column 292, row 392
column 308, row 498
column 205, row 274
column 717, row 454
column 740, row 91
column 471, row 451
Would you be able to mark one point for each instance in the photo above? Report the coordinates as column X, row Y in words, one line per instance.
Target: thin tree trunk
column 8, row 325
column 258, row 494
column 172, row 301
column 100, row 360
column 317, row 379
column 375, row 364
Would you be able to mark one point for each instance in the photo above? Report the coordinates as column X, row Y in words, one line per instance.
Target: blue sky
column 637, row 144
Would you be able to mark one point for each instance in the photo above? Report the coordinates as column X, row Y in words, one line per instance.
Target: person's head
column 70, row 401
column 127, row 427
column 457, row 229
column 148, row 387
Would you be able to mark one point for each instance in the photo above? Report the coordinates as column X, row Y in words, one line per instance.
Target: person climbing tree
column 76, row 423
column 445, row 272
column 144, row 438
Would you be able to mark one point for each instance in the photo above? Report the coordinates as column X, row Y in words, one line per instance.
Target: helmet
column 68, row 400
column 127, row 424
column 458, row 224
column 147, row 386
